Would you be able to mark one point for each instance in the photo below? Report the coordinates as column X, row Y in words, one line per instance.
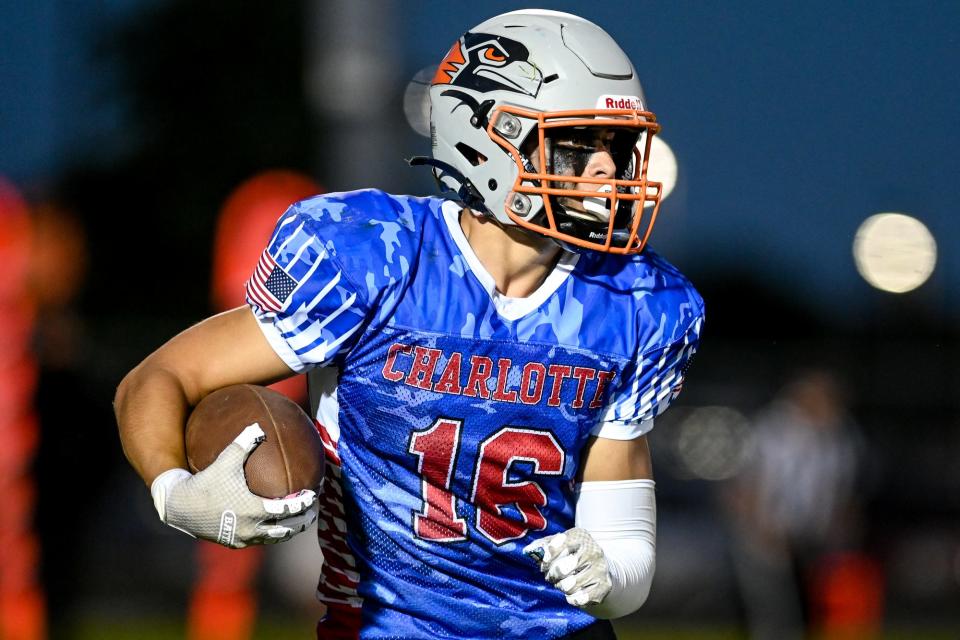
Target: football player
column 485, row 365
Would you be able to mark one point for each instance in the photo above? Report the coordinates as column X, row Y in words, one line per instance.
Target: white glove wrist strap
column 622, row 517
column 161, row 485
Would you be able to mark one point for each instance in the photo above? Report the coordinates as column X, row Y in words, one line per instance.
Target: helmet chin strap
column 466, row 193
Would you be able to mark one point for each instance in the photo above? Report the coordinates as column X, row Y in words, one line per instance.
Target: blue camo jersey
column 458, row 414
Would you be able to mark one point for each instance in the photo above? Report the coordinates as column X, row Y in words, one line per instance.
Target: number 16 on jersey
column 437, row 448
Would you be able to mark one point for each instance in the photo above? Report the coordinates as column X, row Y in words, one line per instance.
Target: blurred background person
column 795, row 514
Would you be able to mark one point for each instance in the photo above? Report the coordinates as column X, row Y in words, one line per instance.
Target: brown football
column 289, row 459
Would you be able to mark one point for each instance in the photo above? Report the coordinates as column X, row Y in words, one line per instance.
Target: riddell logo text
column 482, row 377
column 619, row 102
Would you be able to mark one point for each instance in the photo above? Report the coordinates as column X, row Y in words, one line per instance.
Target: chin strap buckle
column 466, row 193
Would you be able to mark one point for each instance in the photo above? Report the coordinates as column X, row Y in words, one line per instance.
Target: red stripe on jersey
column 338, row 577
column 328, row 444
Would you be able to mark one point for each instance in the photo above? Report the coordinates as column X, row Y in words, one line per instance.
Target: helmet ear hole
column 471, row 155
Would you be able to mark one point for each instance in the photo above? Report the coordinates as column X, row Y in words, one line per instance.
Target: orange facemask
column 632, row 202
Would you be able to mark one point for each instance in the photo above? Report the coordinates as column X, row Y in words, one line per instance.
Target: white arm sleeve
column 621, row 516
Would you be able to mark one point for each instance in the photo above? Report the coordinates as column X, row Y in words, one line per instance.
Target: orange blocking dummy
column 22, row 609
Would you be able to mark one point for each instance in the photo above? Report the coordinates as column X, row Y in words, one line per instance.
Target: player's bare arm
column 154, row 399
column 152, row 404
column 605, row 459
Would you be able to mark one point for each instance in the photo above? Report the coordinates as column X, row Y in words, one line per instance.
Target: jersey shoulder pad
column 667, row 316
column 374, row 236
column 663, row 303
column 667, row 302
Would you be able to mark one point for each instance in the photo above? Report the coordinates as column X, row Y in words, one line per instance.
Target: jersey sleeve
column 648, row 386
column 306, row 305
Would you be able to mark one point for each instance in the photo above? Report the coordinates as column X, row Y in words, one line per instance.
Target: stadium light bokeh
column 894, row 252
column 713, row 442
column 663, row 165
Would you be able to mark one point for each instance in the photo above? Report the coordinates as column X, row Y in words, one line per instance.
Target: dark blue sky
column 792, row 122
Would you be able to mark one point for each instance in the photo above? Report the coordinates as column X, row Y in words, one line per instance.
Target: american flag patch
column 270, row 285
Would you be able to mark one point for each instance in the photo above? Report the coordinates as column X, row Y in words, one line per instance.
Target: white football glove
column 573, row 562
column 215, row 504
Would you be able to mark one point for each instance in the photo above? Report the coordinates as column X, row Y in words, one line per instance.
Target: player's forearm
column 151, row 408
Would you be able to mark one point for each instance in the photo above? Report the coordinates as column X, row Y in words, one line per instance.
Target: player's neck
column 518, row 261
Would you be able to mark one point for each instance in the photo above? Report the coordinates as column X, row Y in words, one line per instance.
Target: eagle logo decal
column 484, row 62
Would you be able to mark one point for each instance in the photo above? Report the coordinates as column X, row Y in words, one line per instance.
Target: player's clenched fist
column 573, row 562
column 215, row 504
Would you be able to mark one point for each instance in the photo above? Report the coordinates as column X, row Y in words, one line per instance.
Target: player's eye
column 586, row 140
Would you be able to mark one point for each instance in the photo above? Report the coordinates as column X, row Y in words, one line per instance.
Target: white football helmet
column 519, row 105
